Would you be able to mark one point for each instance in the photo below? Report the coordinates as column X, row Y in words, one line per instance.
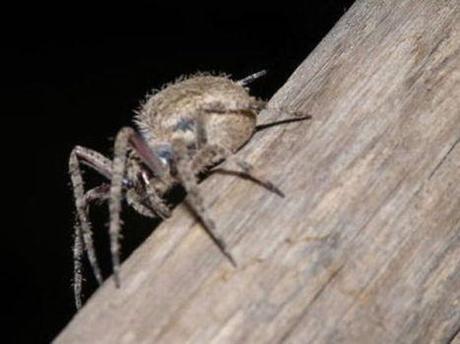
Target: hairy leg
column 187, row 177
column 118, row 168
column 77, row 266
column 210, row 154
column 102, row 165
column 256, row 108
column 156, row 203
column 292, row 116
column 250, row 78
column 135, row 201
column 126, row 138
column 96, row 194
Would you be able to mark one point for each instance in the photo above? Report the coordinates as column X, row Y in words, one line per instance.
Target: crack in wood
column 320, row 291
column 443, row 158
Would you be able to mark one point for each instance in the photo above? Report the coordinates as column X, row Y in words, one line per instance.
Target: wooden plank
column 365, row 247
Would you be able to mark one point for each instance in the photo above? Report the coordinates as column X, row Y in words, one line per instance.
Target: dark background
column 65, row 88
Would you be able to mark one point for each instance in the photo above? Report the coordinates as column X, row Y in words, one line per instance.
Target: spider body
column 198, row 112
column 214, row 106
column 183, row 130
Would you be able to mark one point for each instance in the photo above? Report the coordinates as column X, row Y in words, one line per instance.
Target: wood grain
column 364, row 248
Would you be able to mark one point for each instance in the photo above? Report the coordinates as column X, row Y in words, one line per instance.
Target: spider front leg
column 186, row 176
column 128, row 138
column 102, row 165
column 77, row 266
column 96, row 194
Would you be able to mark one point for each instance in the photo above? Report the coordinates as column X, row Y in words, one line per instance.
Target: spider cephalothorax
column 183, row 130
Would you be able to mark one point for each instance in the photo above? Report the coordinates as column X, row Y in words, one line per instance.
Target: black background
column 65, row 87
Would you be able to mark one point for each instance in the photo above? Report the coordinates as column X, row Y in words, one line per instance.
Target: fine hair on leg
column 101, row 165
column 118, row 172
column 127, row 138
column 250, row 78
column 188, row 179
column 77, row 266
column 96, row 194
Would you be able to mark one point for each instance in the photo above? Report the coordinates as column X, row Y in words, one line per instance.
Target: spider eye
column 164, row 153
column 127, row 183
column 185, row 124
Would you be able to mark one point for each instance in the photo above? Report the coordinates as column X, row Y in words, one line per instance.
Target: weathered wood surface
column 365, row 248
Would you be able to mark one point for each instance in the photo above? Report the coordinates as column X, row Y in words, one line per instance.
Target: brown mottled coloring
column 182, row 130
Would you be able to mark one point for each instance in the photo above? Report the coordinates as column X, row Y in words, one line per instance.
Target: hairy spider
column 184, row 129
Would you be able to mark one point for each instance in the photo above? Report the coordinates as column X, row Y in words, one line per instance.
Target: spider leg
column 250, row 78
column 125, row 139
column 187, row 177
column 77, row 266
column 253, row 173
column 95, row 194
column 293, row 116
column 257, row 107
column 263, row 126
column 156, row 208
column 102, row 165
column 212, row 153
column 157, row 203
column 135, row 201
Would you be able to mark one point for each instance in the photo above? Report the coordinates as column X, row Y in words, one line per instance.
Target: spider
column 183, row 130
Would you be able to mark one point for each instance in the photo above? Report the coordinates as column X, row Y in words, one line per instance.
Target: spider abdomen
column 222, row 109
column 230, row 130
